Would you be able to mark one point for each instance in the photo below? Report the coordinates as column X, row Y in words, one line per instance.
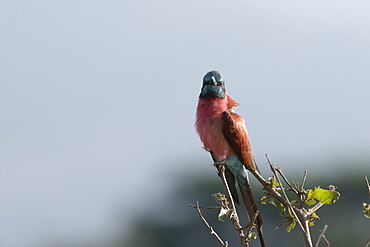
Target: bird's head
column 213, row 86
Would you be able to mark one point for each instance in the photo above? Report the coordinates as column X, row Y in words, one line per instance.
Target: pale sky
column 97, row 99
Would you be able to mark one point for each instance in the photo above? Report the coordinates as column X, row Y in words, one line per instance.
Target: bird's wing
column 235, row 132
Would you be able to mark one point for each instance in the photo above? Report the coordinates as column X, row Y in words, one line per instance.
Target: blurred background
column 97, row 104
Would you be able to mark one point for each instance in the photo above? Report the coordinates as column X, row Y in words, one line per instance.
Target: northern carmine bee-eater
column 224, row 134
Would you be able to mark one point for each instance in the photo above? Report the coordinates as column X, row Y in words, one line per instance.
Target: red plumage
column 235, row 132
column 224, row 134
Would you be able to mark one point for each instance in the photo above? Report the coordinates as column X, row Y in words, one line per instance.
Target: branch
column 314, row 208
column 368, row 243
column 289, row 205
column 301, row 215
column 283, row 176
column 234, row 216
column 196, row 206
column 210, row 228
column 304, row 179
column 221, row 171
column 322, row 235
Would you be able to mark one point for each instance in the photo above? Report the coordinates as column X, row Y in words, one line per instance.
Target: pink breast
column 209, row 126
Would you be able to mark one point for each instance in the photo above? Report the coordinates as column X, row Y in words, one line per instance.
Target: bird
column 224, row 134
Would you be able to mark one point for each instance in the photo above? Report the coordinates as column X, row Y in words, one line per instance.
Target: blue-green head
column 213, row 86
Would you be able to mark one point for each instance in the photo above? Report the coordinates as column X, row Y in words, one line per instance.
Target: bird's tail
column 252, row 209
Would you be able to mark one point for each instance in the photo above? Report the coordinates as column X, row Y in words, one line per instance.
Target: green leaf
column 311, row 220
column 294, row 202
column 315, row 216
column 366, row 207
column 326, row 196
column 264, row 200
column 277, row 204
column 290, row 213
column 224, row 214
column 310, row 202
column 310, row 194
column 252, row 236
column 290, row 224
column 273, row 182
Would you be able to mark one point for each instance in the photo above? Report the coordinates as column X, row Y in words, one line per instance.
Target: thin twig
column 314, row 208
column 196, row 206
column 322, row 235
column 302, row 191
column 296, row 186
column 251, row 223
column 304, row 179
column 221, row 171
column 210, row 228
column 326, row 241
column 368, row 186
column 281, row 224
column 299, row 214
column 286, row 180
column 368, row 243
column 286, row 197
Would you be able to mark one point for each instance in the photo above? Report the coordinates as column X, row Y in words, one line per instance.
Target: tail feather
column 231, row 182
column 248, row 199
column 252, row 209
